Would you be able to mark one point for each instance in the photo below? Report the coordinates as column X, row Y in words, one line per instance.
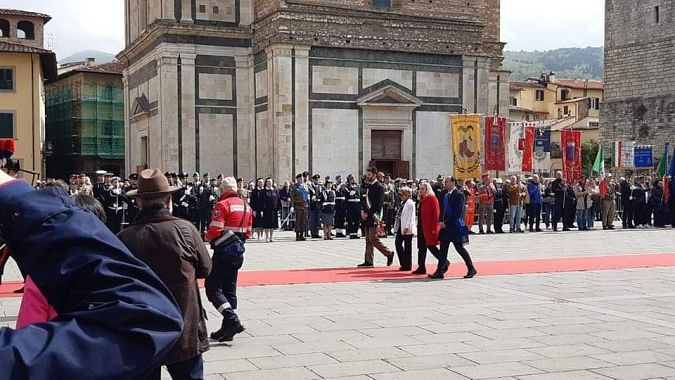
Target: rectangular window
column 386, row 4
column 657, row 16
column 6, row 78
column 514, row 102
column 566, row 110
column 594, row 103
column 215, row 10
column 540, row 95
column 7, row 125
column 144, row 151
column 202, row 8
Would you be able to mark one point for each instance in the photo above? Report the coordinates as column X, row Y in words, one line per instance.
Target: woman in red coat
column 427, row 234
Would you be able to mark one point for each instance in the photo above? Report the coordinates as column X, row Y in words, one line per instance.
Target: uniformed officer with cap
column 353, row 213
column 340, row 207
column 315, row 190
column 99, row 186
column 114, row 199
column 132, row 204
column 205, row 198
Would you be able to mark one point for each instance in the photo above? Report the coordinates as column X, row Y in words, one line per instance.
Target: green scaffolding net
column 86, row 120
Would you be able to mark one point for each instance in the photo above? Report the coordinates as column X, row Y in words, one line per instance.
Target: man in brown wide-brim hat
column 174, row 250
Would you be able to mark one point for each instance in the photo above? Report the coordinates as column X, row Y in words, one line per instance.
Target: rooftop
column 18, row 12
column 580, row 84
column 47, row 57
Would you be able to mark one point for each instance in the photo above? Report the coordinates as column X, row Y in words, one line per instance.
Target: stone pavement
column 607, row 324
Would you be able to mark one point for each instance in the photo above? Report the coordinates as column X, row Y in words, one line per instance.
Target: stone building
column 639, row 102
column 261, row 88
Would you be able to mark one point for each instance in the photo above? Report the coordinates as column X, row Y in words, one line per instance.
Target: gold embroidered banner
column 466, row 143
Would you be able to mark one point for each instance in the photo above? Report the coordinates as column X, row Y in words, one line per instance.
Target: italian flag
column 599, row 167
column 616, row 154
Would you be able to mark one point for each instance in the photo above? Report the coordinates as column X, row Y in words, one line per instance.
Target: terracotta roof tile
column 11, row 47
column 580, row 84
column 18, row 12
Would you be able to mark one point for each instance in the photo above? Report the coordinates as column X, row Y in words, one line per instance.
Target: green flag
column 599, row 164
column 663, row 163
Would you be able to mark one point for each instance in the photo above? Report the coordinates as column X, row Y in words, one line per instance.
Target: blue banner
column 644, row 157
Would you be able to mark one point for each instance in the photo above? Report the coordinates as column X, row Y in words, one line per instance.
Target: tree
column 589, row 150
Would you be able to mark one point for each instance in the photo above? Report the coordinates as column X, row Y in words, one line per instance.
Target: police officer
column 353, row 214
column 205, row 198
column 100, row 186
column 390, row 204
column 315, row 190
column 193, row 200
column 131, row 204
column 180, row 201
column 230, row 227
column 114, row 199
column 340, row 207
column 300, row 199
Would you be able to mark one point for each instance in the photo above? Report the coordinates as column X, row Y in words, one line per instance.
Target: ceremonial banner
column 516, row 132
column 644, row 156
column 616, row 154
column 528, row 147
column 542, row 148
column 571, row 150
column 627, row 154
column 466, row 144
column 495, row 145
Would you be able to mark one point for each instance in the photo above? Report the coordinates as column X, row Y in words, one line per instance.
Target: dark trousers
column 114, row 221
column 404, row 249
column 459, row 247
column 422, row 248
column 193, row 216
column 314, row 221
column 204, row 219
column 221, row 284
column 191, row 369
column 547, row 208
column 534, row 216
column 340, row 216
column 300, row 220
column 353, row 220
column 628, row 215
column 557, row 215
column 500, row 210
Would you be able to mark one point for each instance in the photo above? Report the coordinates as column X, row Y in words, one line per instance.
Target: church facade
column 257, row 88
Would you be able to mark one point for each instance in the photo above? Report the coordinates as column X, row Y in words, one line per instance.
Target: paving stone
column 427, row 374
column 289, row 361
column 368, row 354
column 500, row 356
column 571, row 375
column 367, row 367
column 275, row 374
column 430, row 362
column 570, row 363
column 635, row 357
column 306, row 348
column 636, row 371
column 226, row 366
column 487, row 371
column 567, row 350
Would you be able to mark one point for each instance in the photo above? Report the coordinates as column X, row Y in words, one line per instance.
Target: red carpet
column 457, row 269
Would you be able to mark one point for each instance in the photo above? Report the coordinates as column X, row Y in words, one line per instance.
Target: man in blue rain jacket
column 116, row 319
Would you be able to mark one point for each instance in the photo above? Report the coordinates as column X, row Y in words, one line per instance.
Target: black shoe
column 390, row 259
column 420, row 270
column 481, row 232
column 18, row 291
column 339, row 235
column 471, row 273
column 489, row 232
column 216, row 335
column 531, row 229
column 436, row 276
column 230, row 332
column 405, row 269
column 566, row 229
column 353, row 237
column 610, row 227
column 316, row 237
column 555, row 229
column 537, row 230
column 365, row 265
column 471, row 233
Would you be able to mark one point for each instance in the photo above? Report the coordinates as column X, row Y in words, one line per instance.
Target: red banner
column 570, row 142
column 495, row 143
column 528, row 148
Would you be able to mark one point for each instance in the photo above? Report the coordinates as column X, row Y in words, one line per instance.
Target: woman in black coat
column 271, row 204
column 661, row 216
column 257, row 204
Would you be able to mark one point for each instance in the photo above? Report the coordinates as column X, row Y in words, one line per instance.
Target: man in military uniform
column 131, row 204
column 315, row 206
column 609, row 202
column 193, row 200
column 114, row 204
column 242, row 191
column 340, row 207
column 100, row 186
column 179, row 198
column 205, row 198
column 300, row 198
column 352, row 193
column 390, row 203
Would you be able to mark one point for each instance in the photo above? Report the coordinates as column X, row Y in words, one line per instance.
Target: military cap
column 196, row 174
column 206, row 174
column 316, row 176
column 133, row 176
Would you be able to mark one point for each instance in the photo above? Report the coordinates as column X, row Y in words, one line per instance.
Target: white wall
column 335, row 137
column 433, row 146
column 215, row 143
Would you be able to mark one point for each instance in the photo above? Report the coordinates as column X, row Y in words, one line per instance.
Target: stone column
column 129, row 160
column 301, row 109
column 280, row 110
column 245, row 117
column 187, row 110
column 475, row 70
column 167, row 150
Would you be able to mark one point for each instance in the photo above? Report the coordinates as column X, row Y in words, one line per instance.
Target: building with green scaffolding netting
column 85, row 120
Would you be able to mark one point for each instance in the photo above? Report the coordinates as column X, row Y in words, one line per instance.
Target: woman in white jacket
column 405, row 226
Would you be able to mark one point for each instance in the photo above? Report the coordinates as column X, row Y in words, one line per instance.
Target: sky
column 525, row 24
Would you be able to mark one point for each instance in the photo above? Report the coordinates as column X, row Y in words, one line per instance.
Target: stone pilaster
column 301, row 109
column 187, row 110
column 280, row 112
column 186, row 12
column 475, row 71
column 245, row 117
column 163, row 149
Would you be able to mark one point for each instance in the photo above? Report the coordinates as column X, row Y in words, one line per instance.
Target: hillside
column 101, row 57
column 576, row 63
